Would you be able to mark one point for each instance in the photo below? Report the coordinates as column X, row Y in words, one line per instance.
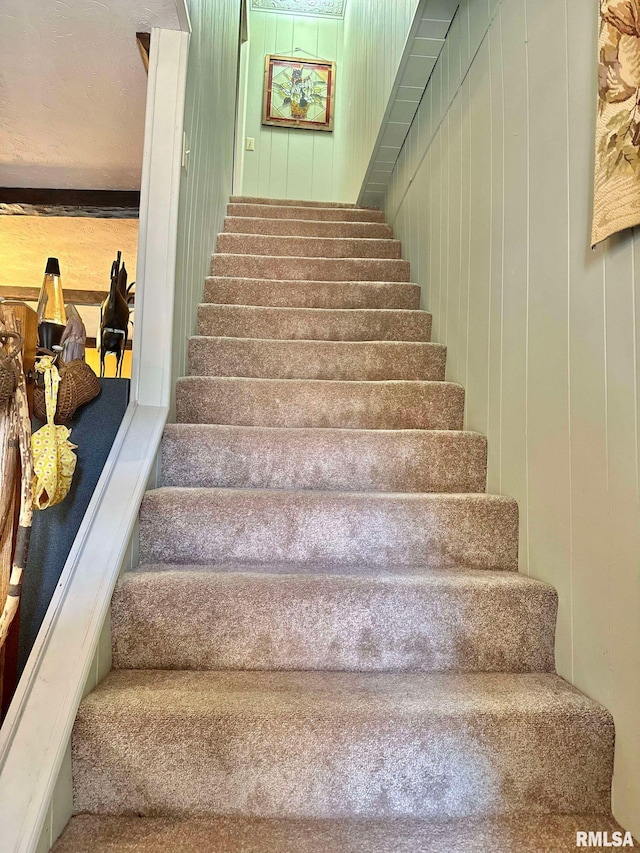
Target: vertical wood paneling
column 545, row 336
column 424, row 185
column 435, row 198
column 375, row 34
column 462, row 343
column 451, row 331
column 619, row 578
column 327, row 146
column 206, row 185
column 516, row 277
column 301, row 149
column 480, row 241
column 494, row 402
column 588, row 382
column 444, row 242
column 478, row 21
column 291, row 163
column 547, row 380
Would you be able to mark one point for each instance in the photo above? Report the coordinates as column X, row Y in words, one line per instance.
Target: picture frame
column 298, row 93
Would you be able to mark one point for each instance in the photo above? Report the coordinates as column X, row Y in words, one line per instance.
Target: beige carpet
column 327, row 645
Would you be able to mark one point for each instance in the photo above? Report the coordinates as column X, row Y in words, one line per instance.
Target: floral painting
column 617, row 178
column 298, row 93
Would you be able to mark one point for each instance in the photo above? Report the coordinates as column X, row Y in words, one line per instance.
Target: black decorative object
column 114, row 317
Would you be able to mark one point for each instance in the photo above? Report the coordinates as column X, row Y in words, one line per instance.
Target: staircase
column 327, row 645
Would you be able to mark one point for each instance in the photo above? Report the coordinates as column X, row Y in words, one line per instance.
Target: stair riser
column 309, row 403
column 275, row 359
column 312, row 294
column 307, row 228
column 307, row 247
column 310, row 269
column 332, row 460
column 303, row 529
column 191, row 620
column 307, row 324
column 328, row 214
column 193, row 756
column 291, row 202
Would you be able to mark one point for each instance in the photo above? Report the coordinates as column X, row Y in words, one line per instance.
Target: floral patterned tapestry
column 617, row 174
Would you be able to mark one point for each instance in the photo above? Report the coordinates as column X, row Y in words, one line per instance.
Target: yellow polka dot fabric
column 53, row 458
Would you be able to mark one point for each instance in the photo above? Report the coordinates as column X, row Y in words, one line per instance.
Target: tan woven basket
column 78, row 386
column 10, row 346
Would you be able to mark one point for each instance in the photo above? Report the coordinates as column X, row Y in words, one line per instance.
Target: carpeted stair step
column 354, row 530
column 307, row 228
column 313, row 324
column 307, row 247
column 220, row 456
column 310, row 269
column 304, row 359
column 336, row 745
column 289, row 202
column 395, row 404
column 323, row 214
column 464, row 621
column 522, row 833
column 312, row 294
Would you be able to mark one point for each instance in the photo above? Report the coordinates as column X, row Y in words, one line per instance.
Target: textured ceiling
column 72, row 91
column 323, row 8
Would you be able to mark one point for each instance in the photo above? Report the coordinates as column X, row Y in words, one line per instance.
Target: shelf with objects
column 84, row 234
column 76, row 399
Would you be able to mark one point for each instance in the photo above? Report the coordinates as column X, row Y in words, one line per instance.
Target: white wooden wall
column 375, row 34
column 292, row 163
column 206, row 185
column 492, row 199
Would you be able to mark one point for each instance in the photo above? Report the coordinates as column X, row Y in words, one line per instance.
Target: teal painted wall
column 206, row 183
column 292, row 163
column 492, row 198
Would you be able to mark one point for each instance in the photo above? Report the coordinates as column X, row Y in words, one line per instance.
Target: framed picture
column 298, row 93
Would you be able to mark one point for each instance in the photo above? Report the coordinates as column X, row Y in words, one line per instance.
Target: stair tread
column 310, row 268
column 327, row 434
column 306, row 696
column 322, row 313
column 364, row 404
column 320, row 568
column 411, row 577
column 305, row 212
column 380, row 262
column 516, row 834
column 333, row 282
column 324, row 458
column 305, row 227
column 295, row 358
column 291, row 202
column 323, row 383
column 201, row 618
column 213, row 525
column 292, row 323
column 300, row 245
column 303, row 240
column 335, row 744
column 266, row 321
column 232, row 290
